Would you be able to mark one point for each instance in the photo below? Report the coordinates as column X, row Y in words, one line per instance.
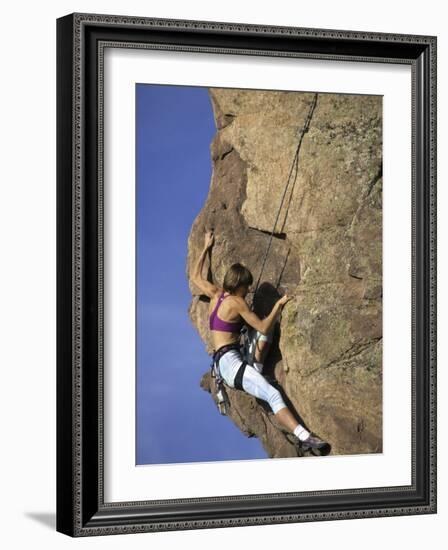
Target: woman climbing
column 225, row 328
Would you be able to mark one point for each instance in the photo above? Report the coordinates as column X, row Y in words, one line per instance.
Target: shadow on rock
column 263, row 302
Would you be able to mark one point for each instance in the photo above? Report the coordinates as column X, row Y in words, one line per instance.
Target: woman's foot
column 316, row 445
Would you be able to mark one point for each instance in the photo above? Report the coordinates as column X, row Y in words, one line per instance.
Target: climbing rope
column 294, row 162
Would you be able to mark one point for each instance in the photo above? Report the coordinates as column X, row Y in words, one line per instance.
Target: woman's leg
column 256, row 384
column 261, row 350
column 285, row 417
column 259, row 346
column 229, row 364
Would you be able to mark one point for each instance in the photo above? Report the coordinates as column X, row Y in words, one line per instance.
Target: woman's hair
column 237, row 275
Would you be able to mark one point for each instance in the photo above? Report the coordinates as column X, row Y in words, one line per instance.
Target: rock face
column 326, row 250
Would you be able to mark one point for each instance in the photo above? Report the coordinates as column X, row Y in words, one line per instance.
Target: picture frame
column 81, row 507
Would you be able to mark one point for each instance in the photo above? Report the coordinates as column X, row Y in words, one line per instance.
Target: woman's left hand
column 208, row 240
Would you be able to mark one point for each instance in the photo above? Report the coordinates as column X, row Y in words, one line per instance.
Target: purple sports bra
column 218, row 324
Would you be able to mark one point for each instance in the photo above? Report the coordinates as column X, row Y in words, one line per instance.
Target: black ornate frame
column 81, row 39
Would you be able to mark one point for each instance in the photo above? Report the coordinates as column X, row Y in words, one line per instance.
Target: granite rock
column 326, row 251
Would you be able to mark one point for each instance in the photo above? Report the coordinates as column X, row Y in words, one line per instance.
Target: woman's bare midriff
column 221, row 338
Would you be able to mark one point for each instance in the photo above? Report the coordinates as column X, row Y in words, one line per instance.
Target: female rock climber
column 225, row 328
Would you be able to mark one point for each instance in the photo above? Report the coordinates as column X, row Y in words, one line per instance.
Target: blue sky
column 177, row 421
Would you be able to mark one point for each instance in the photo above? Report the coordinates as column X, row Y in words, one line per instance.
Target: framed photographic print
column 246, row 274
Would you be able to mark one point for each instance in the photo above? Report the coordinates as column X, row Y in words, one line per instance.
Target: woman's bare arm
column 207, row 287
column 262, row 325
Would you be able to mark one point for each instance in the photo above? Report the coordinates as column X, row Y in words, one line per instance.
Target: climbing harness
column 238, row 382
column 222, row 400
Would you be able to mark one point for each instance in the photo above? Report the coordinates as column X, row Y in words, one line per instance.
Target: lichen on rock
column 327, row 251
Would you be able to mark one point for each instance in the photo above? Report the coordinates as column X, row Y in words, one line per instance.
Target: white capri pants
column 253, row 382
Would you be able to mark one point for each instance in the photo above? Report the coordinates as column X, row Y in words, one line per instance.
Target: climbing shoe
column 315, row 445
